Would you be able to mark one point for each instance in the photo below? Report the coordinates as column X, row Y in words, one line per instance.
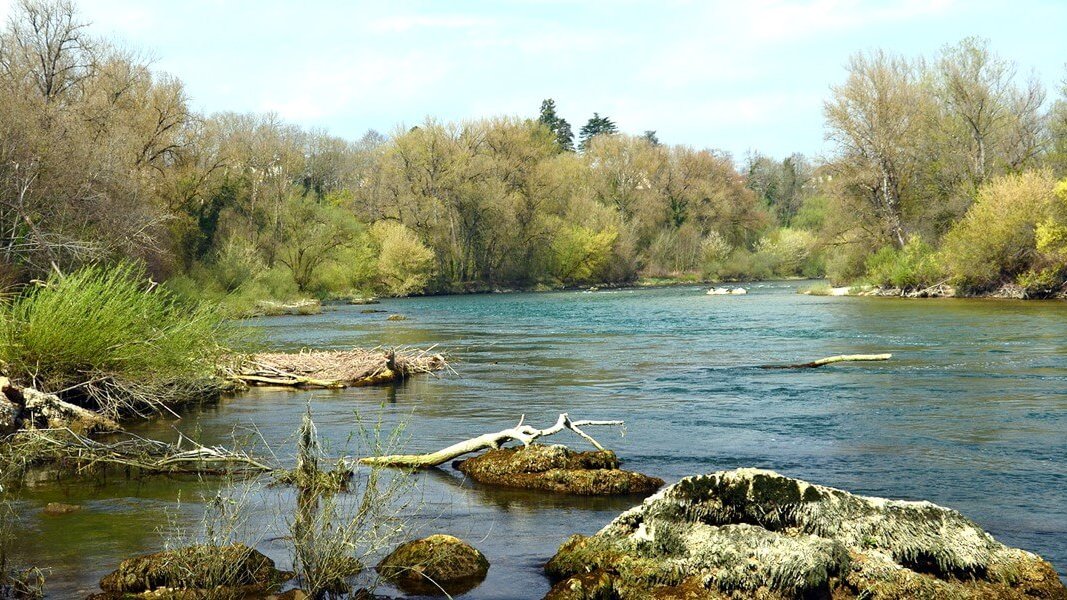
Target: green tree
column 558, row 125
column 597, row 125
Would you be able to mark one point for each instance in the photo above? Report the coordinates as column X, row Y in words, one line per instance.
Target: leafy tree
column 557, row 125
column 597, row 125
column 313, row 234
column 405, row 265
column 875, row 118
column 580, row 252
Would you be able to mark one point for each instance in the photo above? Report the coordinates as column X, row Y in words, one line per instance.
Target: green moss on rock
column 433, row 564
column 756, row 534
column 557, row 469
column 195, row 568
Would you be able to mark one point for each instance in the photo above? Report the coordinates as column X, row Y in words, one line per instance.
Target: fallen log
column 831, row 360
column 521, row 432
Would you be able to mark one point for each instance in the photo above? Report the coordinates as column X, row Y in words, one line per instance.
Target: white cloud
column 404, row 23
column 324, row 91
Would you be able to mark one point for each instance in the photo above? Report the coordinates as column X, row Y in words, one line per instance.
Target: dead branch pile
column 66, row 446
column 335, row 368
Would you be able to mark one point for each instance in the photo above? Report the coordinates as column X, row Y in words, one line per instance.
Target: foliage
column 124, row 340
column 911, row 267
column 597, row 125
column 405, row 264
column 579, row 252
column 558, row 125
column 997, row 240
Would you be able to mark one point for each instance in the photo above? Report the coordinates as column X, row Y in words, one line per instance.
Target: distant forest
column 944, row 169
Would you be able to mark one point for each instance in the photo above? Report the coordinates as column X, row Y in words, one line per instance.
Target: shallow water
column 971, row 413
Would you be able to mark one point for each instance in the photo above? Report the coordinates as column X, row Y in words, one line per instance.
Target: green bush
column 108, row 336
column 405, row 264
column 996, row 240
column 911, row 267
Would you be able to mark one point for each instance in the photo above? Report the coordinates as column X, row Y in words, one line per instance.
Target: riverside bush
column 109, row 338
column 910, row 267
column 997, row 239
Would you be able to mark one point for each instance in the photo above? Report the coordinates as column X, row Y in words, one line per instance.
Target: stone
column 750, row 533
column 557, row 469
column 200, row 567
column 433, row 564
column 53, row 509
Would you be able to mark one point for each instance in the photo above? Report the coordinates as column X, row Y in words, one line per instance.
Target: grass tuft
column 110, row 339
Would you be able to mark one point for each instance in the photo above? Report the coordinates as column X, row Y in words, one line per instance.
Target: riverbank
column 941, row 290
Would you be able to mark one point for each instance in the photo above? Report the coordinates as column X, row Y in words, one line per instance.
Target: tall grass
column 108, row 338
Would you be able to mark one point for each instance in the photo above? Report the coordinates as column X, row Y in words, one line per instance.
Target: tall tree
column 597, row 125
column 875, row 118
column 558, row 125
column 651, row 137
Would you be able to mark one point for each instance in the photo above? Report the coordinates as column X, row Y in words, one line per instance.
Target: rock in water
column 431, row 564
column 237, row 567
column 55, row 509
column 557, row 469
column 751, row 533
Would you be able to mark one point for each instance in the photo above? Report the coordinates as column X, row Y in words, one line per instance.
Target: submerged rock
column 239, row 567
column 557, row 469
column 54, row 509
column 751, row 533
column 433, row 564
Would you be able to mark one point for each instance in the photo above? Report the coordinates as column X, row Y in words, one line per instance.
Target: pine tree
column 558, row 125
column 650, row 135
column 597, row 125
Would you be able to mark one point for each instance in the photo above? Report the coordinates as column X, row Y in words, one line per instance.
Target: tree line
column 101, row 159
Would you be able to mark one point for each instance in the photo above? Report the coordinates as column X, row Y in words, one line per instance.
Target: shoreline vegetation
column 947, row 168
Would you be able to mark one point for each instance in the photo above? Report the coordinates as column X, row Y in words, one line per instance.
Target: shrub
column 913, row 266
column 108, row 337
column 715, row 251
column 580, row 251
column 405, row 264
column 997, row 239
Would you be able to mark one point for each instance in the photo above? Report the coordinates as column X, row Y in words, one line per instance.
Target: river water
column 970, row 413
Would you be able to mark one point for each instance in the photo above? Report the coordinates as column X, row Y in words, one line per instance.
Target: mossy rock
column 434, row 563
column 196, row 568
column 54, row 509
column 557, row 469
column 750, row 533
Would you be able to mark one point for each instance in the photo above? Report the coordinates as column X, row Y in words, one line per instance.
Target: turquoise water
column 971, row 413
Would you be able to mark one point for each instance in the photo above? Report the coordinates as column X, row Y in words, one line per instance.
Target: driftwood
column 335, row 368
column 521, row 432
column 132, row 451
column 831, row 360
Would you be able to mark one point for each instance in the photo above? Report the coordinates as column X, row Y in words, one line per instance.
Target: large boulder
column 557, row 469
column 433, row 564
column 237, row 567
column 751, row 533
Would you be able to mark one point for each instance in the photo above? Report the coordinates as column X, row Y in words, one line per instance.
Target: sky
column 734, row 75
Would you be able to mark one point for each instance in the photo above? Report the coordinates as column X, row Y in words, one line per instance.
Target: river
column 970, row 413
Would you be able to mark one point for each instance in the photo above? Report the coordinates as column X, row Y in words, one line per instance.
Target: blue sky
column 732, row 75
